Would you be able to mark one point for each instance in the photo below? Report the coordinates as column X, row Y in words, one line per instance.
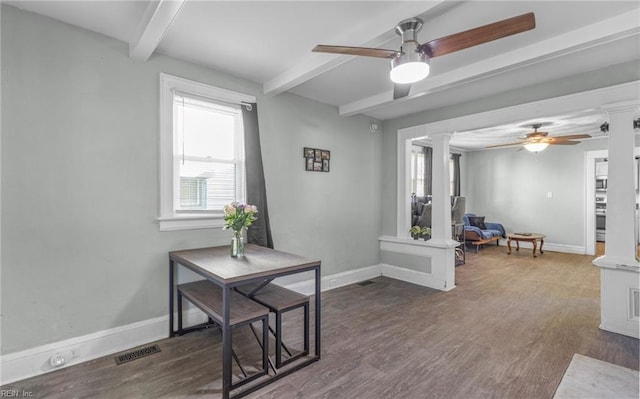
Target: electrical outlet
column 57, row 360
column 60, row 358
column 549, row 194
column 333, row 282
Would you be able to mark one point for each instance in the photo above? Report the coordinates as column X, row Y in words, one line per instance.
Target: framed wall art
column 316, row 160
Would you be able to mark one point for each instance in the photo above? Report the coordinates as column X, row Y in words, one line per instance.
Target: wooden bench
column 208, row 297
column 279, row 300
column 473, row 238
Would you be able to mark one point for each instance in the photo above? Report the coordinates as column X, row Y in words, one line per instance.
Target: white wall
column 81, row 249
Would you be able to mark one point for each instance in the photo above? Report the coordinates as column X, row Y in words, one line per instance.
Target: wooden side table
column 529, row 237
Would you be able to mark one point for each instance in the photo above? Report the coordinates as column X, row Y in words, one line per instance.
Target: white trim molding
column 35, row 361
column 307, row 287
column 617, row 304
column 441, row 254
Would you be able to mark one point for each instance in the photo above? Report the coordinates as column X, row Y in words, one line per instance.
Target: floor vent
column 137, row 354
column 367, row 282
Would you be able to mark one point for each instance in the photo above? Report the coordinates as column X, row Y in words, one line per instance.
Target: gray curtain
column 428, row 170
column 456, row 175
column 260, row 231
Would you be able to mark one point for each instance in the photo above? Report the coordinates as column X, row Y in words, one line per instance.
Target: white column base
column 441, row 253
column 619, row 296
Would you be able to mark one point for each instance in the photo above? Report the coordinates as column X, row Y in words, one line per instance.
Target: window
column 417, row 170
column 202, row 153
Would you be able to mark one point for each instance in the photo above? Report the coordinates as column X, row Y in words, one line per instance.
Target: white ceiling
column 270, row 43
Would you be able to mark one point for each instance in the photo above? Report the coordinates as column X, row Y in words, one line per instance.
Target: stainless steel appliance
column 601, row 184
column 601, row 221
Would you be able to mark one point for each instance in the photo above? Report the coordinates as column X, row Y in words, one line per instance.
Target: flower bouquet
column 237, row 217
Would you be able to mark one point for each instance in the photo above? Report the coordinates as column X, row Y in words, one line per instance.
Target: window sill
column 190, row 222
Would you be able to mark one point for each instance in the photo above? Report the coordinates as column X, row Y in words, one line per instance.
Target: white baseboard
column 549, row 246
column 330, row 282
column 414, row 277
column 35, row 361
column 630, row 330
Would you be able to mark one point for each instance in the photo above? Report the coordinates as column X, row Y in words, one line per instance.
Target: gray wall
column 609, row 76
column 81, row 248
column 511, row 187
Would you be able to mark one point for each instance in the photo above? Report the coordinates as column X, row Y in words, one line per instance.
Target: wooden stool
column 280, row 300
column 208, row 297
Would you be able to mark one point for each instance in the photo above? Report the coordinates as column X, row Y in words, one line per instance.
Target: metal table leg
column 317, row 327
column 171, row 289
column 226, row 342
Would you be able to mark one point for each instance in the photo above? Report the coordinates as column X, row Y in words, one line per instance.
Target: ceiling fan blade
column 364, row 51
column 479, row 35
column 401, row 90
column 505, row 145
column 564, row 142
column 571, row 137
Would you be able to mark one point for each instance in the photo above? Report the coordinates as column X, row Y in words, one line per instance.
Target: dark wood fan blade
column 400, row 91
column 479, row 35
column 505, row 145
column 571, row 137
column 364, row 51
column 564, row 142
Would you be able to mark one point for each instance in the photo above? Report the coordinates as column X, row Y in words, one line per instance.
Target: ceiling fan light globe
column 409, row 68
column 536, row 147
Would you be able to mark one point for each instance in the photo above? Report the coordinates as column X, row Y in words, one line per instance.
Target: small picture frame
column 309, row 152
column 316, row 160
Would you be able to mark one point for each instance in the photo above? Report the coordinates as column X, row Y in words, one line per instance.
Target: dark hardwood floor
column 508, row 330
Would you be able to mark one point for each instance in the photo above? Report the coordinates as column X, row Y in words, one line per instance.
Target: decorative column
column 433, row 260
column 441, row 200
column 441, row 210
column 619, row 267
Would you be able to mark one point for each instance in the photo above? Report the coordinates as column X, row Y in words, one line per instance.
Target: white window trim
column 169, row 219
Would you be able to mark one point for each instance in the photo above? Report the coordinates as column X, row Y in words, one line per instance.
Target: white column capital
column 441, row 136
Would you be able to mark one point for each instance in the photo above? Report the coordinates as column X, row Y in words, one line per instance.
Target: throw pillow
column 478, row 222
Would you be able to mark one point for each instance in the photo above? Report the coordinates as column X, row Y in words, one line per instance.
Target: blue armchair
column 475, row 235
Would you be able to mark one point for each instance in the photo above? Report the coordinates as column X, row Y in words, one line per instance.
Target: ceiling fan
column 537, row 141
column 410, row 64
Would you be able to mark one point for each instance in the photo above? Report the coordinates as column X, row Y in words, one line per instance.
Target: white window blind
column 208, row 154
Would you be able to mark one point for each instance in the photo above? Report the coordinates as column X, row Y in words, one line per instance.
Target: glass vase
column 237, row 244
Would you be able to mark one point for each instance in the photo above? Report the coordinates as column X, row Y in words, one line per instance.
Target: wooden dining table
column 258, row 264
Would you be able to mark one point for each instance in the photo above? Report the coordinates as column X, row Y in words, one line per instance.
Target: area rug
column 587, row 378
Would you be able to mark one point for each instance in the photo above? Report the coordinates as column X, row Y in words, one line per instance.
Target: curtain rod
column 247, row 105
